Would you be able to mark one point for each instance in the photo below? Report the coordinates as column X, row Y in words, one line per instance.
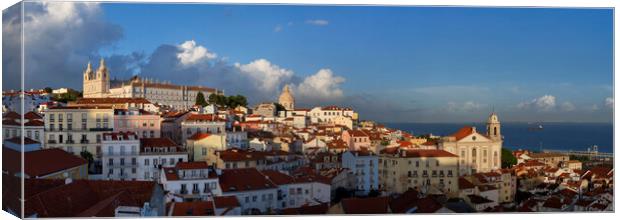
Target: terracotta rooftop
column 34, row 123
column 465, row 184
column 463, row 132
column 194, row 208
column 192, row 165
column 376, row 205
column 69, row 200
column 18, row 140
column 226, row 202
column 307, row 210
column 247, row 179
column 108, row 101
column 40, row 162
column 199, row 136
column 33, row 116
column 414, row 153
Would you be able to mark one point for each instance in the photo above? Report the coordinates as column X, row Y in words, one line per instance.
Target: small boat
column 539, row 127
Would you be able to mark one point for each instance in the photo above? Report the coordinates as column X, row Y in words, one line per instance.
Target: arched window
column 473, row 152
column 495, row 131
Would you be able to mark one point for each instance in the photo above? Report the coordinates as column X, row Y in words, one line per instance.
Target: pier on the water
column 591, row 153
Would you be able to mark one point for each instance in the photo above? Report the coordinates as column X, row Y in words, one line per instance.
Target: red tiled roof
column 235, row 154
column 12, row 115
column 376, row 205
column 203, row 117
column 195, row 208
column 463, row 132
column 40, row 162
column 428, row 205
column 246, row 179
column 404, row 202
column 157, row 142
column 32, row 116
column 307, row 210
column 465, row 184
column 69, row 200
column 18, row 140
column 278, row 177
column 553, row 202
column 226, row 201
column 96, row 101
column 192, row 165
column 199, row 136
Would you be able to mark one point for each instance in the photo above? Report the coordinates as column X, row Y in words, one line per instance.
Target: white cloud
column 567, row 106
column 594, row 107
column 609, row 102
column 317, row 22
column 267, row 76
column 543, row 103
column 322, row 85
column 468, row 106
column 190, row 53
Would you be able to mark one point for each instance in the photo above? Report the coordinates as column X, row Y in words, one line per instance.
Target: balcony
column 100, row 129
column 51, row 141
column 70, row 142
column 183, row 191
column 84, row 141
column 195, row 191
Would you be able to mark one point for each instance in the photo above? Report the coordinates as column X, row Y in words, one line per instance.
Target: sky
column 392, row 64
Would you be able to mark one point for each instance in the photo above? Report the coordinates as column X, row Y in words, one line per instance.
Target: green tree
column 70, row 96
column 236, row 100
column 508, row 160
column 219, row 100
column 48, row 89
column 88, row 157
column 200, row 99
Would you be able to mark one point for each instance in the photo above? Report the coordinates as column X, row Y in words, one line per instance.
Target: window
column 204, row 151
column 146, row 162
column 133, row 161
column 110, row 161
column 146, row 175
column 437, row 163
column 417, row 164
column 254, row 198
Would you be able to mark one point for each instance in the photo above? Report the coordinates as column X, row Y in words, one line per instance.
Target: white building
column 328, row 114
column 97, row 85
column 11, row 101
column 201, row 123
column 255, row 192
column 301, row 190
column 189, row 181
column 477, row 152
column 120, row 155
column 156, row 153
column 364, row 164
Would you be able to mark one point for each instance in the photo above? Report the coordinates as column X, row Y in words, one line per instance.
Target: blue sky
column 409, row 63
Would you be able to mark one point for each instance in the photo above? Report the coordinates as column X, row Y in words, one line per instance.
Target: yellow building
column 202, row 146
column 78, row 128
column 431, row 171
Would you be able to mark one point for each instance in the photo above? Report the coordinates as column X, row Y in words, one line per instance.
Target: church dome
column 286, row 98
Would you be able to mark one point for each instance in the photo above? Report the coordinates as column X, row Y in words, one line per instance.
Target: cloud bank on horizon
column 63, row 36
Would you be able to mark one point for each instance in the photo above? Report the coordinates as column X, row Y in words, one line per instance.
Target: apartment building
column 120, row 155
column 365, row 166
column 188, row 181
column 145, row 124
column 429, row 171
column 78, row 128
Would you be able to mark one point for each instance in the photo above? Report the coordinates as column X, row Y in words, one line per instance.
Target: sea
column 550, row 136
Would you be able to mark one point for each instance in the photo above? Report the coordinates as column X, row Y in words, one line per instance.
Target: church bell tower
column 494, row 127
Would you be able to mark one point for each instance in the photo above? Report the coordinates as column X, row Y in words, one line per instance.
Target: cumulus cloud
column 543, row 103
column 567, row 106
column 318, row 22
column 609, row 102
column 62, row 37
column 266, row 76
column 322, row 85
column 190, row 53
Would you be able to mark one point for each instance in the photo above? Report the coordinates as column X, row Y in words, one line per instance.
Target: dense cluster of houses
column 128, row 157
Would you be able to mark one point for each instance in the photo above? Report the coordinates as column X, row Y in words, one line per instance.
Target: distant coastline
column 518, row 135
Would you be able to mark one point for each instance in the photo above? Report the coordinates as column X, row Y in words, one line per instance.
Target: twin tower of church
column 96, row 84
